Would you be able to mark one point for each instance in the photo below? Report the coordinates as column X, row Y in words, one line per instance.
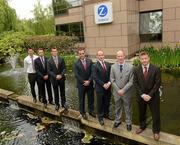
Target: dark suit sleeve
column 37, row 67
column 77, row 75
column 136, row 82
column 157, row 83
column 95, row 75
column 91, row 71
column 50, row 69
column 63, row 67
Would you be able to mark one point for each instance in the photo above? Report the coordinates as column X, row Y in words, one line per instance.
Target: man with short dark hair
column 56, row 70
column 83, row 74
column 43, row 77
column 147, row 80
column 29, row 68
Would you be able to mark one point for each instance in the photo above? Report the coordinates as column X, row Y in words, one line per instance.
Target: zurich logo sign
column 102, row 10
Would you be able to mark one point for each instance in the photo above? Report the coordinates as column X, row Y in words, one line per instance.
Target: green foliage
column 64, row 44
column 11, row 43
column 8, row 19
column 166, row 57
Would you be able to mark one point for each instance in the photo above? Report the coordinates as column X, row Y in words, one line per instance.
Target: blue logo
column 102, row 11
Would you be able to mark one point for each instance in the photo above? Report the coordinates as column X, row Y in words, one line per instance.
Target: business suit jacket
column 81, row 74
column 122, row 80
column 100, row 77
column 41, row 72
column 40, row 69
column 54, row 71
column 149, row 86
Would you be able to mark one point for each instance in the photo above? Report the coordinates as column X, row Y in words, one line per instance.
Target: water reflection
column 18, row 128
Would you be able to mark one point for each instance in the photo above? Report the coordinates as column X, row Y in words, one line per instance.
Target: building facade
column 135, row 24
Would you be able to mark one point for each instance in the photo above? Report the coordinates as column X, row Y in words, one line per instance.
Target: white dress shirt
column 28, row 65
column 143, row 67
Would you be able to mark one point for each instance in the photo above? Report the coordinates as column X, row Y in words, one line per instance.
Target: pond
column 170, row 113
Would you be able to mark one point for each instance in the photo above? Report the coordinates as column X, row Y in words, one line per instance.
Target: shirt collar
column 146, row 66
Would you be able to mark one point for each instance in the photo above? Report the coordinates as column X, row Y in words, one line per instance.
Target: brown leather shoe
column 156, row 136
column 139, row 130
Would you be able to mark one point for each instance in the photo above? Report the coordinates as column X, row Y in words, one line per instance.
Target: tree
column 11, row 43
column 8, row 18
column 43, row 20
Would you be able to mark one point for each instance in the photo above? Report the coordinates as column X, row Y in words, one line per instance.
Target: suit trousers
column 120, row 103
column 59, row 84
column 154, row 105
column 103, row 103
column 82, row 91
column 32, row 78
column 43, row 86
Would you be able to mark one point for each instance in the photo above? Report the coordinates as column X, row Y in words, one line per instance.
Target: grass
column 166, row 58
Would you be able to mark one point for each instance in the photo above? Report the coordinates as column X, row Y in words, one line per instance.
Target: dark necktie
column 145, row 72
column 32, row 63
column 121, row 67
column 56, row 61
column 42, row 60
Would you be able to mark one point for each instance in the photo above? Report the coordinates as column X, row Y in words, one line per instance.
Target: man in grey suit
column 122, row 80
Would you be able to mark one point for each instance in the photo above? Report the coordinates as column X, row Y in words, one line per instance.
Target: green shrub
column 166, row 58
column 64, row 44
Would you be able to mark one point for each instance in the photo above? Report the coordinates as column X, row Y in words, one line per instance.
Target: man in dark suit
column 101, row 75
column 83, row 74
column 56, row 70
column 147, row 80
column 43, row 77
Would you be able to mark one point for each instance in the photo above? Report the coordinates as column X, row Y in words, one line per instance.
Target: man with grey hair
column 122, row 80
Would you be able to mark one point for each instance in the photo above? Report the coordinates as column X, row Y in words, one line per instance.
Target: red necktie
column 145, row 72
column 103, row 66
column 84, row 64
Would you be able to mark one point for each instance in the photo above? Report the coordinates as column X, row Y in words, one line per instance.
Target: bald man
column 101, row 76
column 122, row 80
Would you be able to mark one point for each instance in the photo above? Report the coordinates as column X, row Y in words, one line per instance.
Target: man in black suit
column 43, row 77
column 83, row 74
column 147, row 80
column 56, row 70
column 101, row 75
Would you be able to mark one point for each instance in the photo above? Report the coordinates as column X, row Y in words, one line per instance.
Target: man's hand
column 86, row 83
column 58, row 77
column 106, row 86
column 45, row 77
column 121, row 92
column 146, row 98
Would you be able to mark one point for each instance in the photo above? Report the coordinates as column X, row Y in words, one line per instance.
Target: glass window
column 72, row 29
column 62, row 6
column 151, row 26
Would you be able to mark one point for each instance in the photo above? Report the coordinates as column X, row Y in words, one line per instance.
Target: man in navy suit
column 56, row 70
column 83, row 74
column 101, row 75
column 147, row 80
column 43, row 77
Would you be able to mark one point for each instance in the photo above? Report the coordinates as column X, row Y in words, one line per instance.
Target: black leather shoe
column 56, row 107
column 45, row 105
column 92, row 114
column 65, row 106
column 108, row 117
column 34, row 100
column 84, row 116
column 129, row 127
column 51, row 102
column 101, row 122
column 116, row 124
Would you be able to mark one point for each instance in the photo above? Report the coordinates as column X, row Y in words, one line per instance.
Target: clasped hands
column 58, row 77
